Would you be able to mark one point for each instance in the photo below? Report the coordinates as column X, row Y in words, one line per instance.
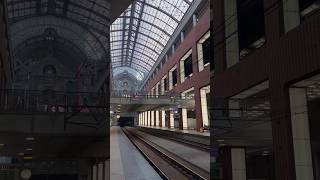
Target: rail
column 167, row 164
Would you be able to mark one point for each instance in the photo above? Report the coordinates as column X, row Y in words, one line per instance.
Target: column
column 152, row 118
column 107, row 170
column 238, row 161
column 163, row 118
column 160, row 118
column 100, row 171
column 204, row 106
column 291, row 14
column 180, row 119
column 142, row 118
column 139, row 119
column 198, row 108
column 168, row 118
column 231, row 26
column 157, row 118
column 171, row 119
column 149, row 118
column 94, row 172
column 301, row 133
column 184, row 116
column 145, row 118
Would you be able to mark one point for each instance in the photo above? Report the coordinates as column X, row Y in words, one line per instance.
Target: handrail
column 13, row 100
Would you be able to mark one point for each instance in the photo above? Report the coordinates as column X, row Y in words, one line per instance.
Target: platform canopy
column 142, row 31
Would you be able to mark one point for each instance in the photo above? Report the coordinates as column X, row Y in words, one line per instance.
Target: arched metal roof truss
column 140, row 34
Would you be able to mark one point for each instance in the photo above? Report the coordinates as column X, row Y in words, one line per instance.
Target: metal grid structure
column 142, row 31
column 82, row 23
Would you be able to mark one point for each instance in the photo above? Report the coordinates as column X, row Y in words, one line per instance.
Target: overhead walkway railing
column 51, row 101
column 142, row 98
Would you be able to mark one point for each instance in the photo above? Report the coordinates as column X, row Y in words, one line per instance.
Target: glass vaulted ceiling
column 84, row 23
column 140, row 34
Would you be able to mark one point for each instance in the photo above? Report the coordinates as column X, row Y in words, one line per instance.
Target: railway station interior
column 159, row 89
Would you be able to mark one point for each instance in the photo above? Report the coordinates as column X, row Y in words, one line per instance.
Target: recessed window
column 203, row 47
column 188, row 66
column 206, row 51
column 251, row 28
column 174, row 77
column 165, row 81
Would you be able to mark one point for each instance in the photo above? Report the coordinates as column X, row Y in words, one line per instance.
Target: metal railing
column 51, row 101
column 145, row 95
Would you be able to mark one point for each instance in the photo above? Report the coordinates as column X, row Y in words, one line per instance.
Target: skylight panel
column 150, row 27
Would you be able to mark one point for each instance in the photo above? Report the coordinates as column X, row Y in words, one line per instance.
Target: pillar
column 283, row 155
column 291, row 14
column 149, row 118
column 238, row 161
column 231, row 26
column 146, row 118
column 107, row 169
column 100, row 171
column 168, row 118
column 197, row 99
column 171, row 119
column 157, row 118
column 160, row 119
column 143, row 118
column 180, row 119
column 301, row 133
column 139, row 119
column 94, row 172
column 152, row 118
column 204, row 107
column 233, row 161
column 184, row 116
column 163, row 118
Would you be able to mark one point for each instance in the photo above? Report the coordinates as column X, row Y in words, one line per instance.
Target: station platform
column 192, row 132
column 126, row 162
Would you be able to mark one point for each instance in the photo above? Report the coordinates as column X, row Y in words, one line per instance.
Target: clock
column 25, row 174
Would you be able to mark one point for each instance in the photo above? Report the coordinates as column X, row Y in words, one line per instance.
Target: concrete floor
column 126, row 162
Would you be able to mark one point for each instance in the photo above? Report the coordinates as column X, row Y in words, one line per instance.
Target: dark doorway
column 126, row 121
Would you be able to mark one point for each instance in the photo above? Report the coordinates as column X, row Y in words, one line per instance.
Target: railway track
column 167, row 164
column 193, row 144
